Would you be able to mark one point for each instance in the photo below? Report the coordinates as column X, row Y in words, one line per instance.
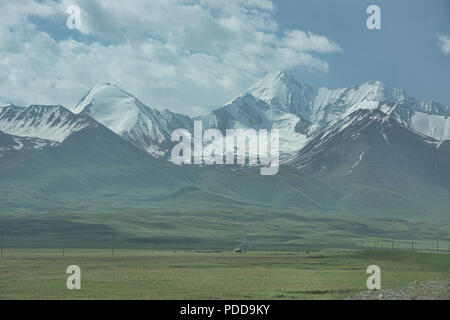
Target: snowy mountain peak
column 375, row 90
column 301, row 111
column 121, row 112
column 281, row 90
column 48, row 122
column 284, row 93
column 111, row 106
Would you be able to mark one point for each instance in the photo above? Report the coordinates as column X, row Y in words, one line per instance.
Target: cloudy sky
column 190, row 56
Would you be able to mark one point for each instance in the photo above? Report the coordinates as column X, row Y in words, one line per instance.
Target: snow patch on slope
column 45, row 122
column 19, row 145
column 360, row 159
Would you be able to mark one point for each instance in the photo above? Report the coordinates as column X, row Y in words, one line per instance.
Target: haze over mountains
column 366, row 148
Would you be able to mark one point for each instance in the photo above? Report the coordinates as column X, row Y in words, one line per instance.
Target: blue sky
column 190, row 56
column 404, row 54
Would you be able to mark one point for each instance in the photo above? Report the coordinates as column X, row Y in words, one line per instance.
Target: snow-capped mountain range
column 366, row 123
column 301, row 112
column 369, row 148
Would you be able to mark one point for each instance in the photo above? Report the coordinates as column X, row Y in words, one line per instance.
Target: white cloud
column 180, row 55
column 444, row 42
column 308, row 41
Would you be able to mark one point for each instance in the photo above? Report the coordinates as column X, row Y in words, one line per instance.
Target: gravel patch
column 438, row 289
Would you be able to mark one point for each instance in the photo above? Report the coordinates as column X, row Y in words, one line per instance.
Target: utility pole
column 437, row 246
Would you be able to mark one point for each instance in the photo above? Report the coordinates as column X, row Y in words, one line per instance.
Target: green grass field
column 143, row 274
column 219, row 227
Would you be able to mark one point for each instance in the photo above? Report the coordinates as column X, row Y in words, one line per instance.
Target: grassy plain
column 146, row 274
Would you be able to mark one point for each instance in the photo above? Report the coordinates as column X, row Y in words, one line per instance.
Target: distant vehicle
column 238, row 250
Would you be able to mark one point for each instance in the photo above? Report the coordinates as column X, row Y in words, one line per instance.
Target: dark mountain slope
column 379, row 164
